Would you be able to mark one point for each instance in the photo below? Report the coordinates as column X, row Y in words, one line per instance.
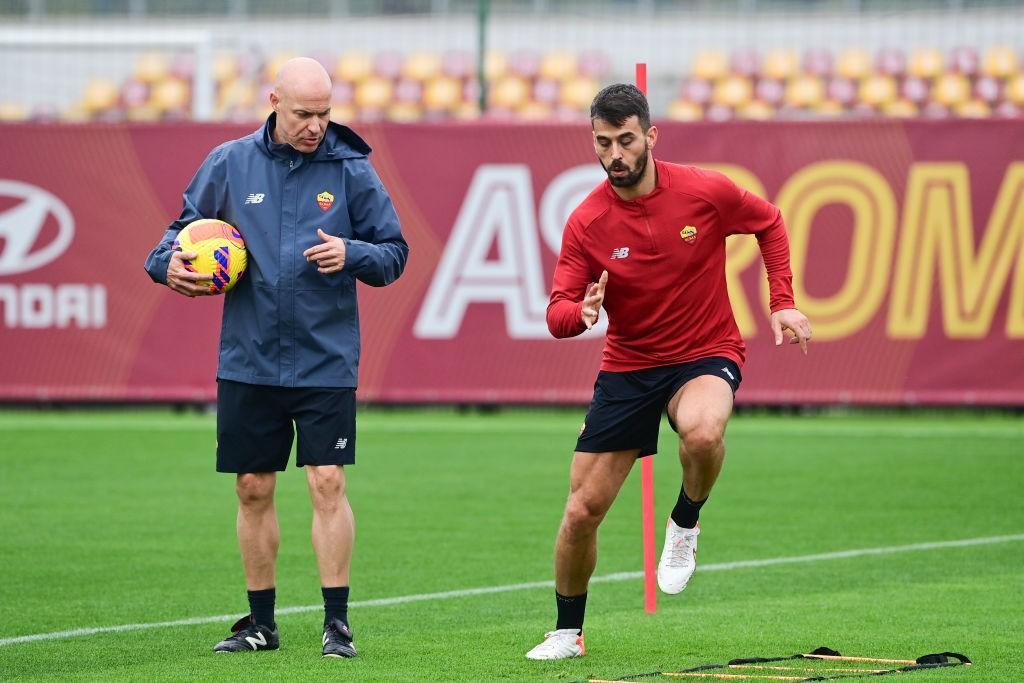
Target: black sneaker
column 248, row 636
column 338, row 639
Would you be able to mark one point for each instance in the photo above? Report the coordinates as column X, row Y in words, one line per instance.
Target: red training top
column 666, row 296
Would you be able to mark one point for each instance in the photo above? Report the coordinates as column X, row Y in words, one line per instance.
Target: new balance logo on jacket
column 255, row 198
column 621, row 252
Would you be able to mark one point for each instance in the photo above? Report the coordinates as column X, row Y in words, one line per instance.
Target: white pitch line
column 466, row 592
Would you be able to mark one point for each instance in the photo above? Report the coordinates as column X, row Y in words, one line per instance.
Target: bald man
column 315, row 218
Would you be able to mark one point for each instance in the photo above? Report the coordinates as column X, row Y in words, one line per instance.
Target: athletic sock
column 335, row 603
column 570, row 610
column 686, row 512
column 261, row 605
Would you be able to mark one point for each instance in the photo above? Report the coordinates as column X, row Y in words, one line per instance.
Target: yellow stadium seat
column 710, row 65
column 900, row 109
column 466, row 111
column 973, row 109
column 683, row 110
column 374, row 93
column 143, row 113
column 274, row 65
column 152, row 66
column 829, row 108
column 558, row 66
column 225, row 67
column 495, row 65
column 951, row 89
column 170, row 93
column 404, row 112
column 343, row 113
column 780, row 64
column 76, row 113
column 236, row 93
column 442, row 93
column 756, row 110
column 854, row 63
column 805, row 91
column 510, row 92
column 534, row 111
column 1015, row 90
column 13, row 111
column 926, row 62
column 734, row 91
column 354, row 66
column 878, row 90
column 420, row 66
column 100, row 94
column 578, row 93
column 1000, row 61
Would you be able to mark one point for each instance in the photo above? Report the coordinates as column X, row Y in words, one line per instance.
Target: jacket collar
column 661, row 180
column 340, row 142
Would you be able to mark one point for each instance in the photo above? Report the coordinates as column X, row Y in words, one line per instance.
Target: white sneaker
column 678, row 558
column 561, row 644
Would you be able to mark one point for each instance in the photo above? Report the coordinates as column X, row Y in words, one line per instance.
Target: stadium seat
column 547, row 91
column 988, row 89
column 558, row 65
column 877, row 90
column 891, row 62
column 407, row 90
column 780, row 64
column 524, row 63
column 1014, row 92
column 421, row 66
column 951, row 89
column 1000, row 61
column 511, row 92
column 170, row 94
column 965, row 61
column 710, row 65
column 387, row 64
column 593, row 64
column 804, row 91
column 404, row 112
column 925, row 62
column 769, row 91
column 13, row 111
column 100, row 95
column 696, row 90
column 374, row 93
column 733, row 91
column 818, row 62
column 756, row 110
column 915, row 90
column 458, row 64
column 973, row 109
column 854, row 64
column 354, row 66
column 151, row 67
column 683, row 110
column 443, row 93
column 578, row 93
column 901, row 108
column 842, row 90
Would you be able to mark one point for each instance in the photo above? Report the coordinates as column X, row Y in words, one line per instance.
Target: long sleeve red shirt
column 666, row 297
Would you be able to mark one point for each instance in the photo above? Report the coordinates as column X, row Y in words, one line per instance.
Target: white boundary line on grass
column 445, row 595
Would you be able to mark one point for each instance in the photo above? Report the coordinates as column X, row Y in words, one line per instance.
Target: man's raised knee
column 704, row 438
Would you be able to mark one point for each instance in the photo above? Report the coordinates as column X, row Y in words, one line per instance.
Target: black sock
column 335, row 603
column 686, row 511
column 261, row 604
column 570, row 610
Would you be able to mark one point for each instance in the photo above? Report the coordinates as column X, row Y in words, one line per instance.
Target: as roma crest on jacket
column 689, row 234
column 325, row 199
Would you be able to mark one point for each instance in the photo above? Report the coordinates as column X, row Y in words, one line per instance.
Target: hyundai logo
column 22, row 224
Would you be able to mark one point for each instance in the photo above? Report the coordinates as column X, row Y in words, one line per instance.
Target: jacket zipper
column 647, row 224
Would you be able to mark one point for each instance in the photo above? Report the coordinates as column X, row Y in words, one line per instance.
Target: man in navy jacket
column 315, row 218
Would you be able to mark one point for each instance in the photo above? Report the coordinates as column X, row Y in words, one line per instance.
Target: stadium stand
column 428, row 85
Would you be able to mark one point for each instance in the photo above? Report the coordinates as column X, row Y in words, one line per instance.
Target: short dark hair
column 618, row 102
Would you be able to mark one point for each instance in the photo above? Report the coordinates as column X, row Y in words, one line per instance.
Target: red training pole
column 647, row 470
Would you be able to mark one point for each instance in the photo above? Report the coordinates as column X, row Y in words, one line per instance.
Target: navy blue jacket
column 284, row 323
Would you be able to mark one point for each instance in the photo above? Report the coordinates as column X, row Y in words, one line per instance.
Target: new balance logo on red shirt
column 621, row 252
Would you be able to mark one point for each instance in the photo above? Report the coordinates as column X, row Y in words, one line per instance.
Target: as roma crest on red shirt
column 325, row 199
column 689, row 234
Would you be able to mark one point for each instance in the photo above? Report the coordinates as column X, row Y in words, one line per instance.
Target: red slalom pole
column 647, row 470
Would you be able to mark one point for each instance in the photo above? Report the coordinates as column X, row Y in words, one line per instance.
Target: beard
column 632, row 177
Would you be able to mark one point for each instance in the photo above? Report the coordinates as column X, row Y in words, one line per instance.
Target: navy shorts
column 256, row 426
column 625, row 412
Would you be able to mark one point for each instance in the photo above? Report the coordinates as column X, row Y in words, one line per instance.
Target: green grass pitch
column 117, row 518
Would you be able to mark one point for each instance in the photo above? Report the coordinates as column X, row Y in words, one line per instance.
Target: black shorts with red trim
column 625, row 412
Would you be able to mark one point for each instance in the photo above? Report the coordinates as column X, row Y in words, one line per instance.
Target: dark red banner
column 907, row 241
